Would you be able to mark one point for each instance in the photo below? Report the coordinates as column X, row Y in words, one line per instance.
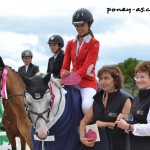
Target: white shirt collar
column 26, row 66
column 86, row 39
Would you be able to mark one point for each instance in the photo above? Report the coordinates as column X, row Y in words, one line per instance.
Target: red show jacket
column 84, row 63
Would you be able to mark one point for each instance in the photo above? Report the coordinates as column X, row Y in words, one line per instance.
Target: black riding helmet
column 56, row 39
column 82, row 15
column 26, row 53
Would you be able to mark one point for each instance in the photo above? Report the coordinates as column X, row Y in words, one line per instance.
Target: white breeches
column 87, row 98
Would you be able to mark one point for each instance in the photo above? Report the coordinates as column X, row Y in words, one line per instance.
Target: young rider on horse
column 28, row 69
column 83, row 53
column 56, row 43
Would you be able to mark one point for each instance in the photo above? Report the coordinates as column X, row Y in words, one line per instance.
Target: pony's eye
column 28, row 103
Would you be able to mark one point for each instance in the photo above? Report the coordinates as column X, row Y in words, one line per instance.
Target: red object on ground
column 72, row 79
column 91, row 134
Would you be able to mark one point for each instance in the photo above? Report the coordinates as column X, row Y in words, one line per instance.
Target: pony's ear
column 2, row 65
column 47, row 78
column 26, row 80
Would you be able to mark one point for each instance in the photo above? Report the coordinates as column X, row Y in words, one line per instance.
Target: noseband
column 40, row 115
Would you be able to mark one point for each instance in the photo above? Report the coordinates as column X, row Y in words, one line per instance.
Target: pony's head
column 38, row 102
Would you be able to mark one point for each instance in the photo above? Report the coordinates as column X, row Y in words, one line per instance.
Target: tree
column 128, row 69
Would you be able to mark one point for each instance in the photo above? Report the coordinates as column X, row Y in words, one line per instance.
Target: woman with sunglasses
column 108, row 103
column 82, row 52
column 139, row 129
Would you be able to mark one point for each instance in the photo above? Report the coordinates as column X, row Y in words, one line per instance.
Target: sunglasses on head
column 113, row 67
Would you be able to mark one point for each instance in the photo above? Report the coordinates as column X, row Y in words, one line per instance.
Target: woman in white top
column 140, row 126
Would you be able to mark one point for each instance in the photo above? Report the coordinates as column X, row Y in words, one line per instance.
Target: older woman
column 108, row 103
column 140, row 109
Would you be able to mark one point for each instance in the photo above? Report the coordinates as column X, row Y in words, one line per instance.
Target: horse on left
column 13, row 88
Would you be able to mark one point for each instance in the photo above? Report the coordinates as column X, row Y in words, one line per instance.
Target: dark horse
column 54, row 115
column 15, row 91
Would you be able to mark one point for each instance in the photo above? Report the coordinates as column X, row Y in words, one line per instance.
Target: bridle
column 40, row 115
column 17, row 94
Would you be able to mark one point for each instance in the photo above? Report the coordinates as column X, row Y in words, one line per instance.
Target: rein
column 12, row 95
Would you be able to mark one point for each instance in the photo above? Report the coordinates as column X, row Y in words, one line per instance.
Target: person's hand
column 101, row 123
column 65, row 73
column 122, row 124
column 87, row 141
column 59, row 81
column 120, row 116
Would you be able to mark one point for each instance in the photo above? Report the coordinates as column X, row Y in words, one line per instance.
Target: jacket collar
column 144, row 93
column 86, row 39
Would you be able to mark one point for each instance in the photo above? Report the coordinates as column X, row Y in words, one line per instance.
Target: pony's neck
column 14, row 82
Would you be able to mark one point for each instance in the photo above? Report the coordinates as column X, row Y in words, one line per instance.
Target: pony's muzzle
column 42, row 137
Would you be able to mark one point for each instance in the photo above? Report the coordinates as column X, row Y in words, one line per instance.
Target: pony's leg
column 23, row 143
column 12, row 141
column 23, row 127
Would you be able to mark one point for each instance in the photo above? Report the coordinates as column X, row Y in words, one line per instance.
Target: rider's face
column 82, row 29
column 27, row 60
column 54, row 47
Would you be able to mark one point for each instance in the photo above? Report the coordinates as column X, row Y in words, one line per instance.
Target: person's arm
column 67, row 61
column 85, row 121
column 20, row 71
column 137, row 129
column 127, row 107
column 48, row 69
column 142, row 129
column 110, row 125
column 36, row 70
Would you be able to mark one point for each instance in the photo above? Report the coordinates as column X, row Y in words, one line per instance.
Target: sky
column 28, row 24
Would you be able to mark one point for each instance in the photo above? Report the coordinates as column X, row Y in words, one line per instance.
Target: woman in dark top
column 140, row 109
column 108, row 103
column 55, row 62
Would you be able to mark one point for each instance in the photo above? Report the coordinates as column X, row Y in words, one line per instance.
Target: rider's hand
column 65, row 73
